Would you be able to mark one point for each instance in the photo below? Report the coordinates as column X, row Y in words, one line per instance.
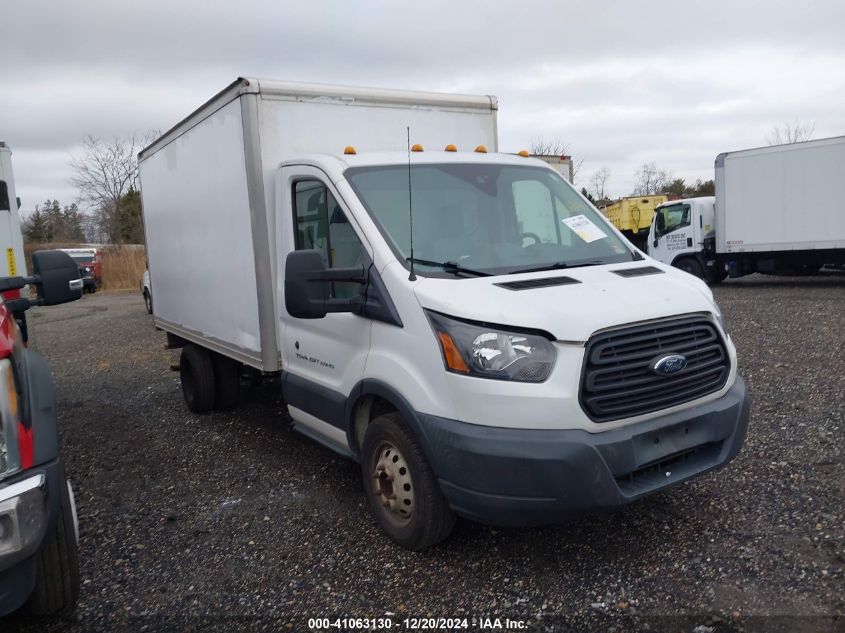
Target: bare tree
column 650, row 180
column 542, row 147
column 106, row 170
column 105, row 173
column 598, row 183
column 539, row 146
column 797, row 132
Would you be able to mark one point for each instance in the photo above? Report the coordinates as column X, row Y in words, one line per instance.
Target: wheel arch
column 371, row 398
column 696, row 256
column 42, row 394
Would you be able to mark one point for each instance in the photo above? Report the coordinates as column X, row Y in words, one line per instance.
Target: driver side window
column 321, row 224
column 673, row 218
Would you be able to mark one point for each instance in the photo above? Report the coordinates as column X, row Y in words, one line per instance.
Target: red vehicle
column 39, row 567
column 90, row 266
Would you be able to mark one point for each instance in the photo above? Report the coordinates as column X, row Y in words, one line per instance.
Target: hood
column 572, row 312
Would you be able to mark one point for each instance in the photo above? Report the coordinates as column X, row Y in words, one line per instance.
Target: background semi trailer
column 777, row 210
column 453, row 356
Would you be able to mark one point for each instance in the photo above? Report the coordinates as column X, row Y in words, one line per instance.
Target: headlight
column 9, row 461
column 475, row 349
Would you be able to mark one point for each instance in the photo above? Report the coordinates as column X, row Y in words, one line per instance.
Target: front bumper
column 23, row 530
column 506, row 476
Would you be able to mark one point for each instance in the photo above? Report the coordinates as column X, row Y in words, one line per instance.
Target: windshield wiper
column 449, row 267
column 558, row 266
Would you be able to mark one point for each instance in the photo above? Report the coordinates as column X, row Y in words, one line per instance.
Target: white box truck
column 777, row 210
column 11, row 240
column 461, row 322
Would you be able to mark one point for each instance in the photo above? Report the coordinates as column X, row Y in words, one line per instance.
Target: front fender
column 42, row 403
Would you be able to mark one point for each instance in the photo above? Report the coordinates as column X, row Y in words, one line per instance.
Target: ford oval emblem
column 668, row 365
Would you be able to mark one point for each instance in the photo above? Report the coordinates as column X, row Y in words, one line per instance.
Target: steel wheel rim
column 390, row 482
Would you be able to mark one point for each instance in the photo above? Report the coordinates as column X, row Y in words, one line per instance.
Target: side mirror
column 655, row 242
column 659, row 223
column 308, row 282
column 56, row 277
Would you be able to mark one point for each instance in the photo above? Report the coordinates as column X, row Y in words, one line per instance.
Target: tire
column 227, row 381
column 196, row 372
column 418, row 515
column 148, row 301
column 806, row 270
column 57, row 564
column 717, row 277
column 690, row 265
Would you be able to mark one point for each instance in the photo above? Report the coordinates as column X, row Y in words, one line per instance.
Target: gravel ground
column 233, row 521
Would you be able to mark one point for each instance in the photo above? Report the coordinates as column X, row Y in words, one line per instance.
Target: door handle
column 689, row 242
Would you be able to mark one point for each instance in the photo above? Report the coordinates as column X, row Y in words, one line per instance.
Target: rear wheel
column 196, row 372
column 717, row 276
column 803, row 270
column 690, row 265
column 227, row 382
column 57, row 563
column 401, row 488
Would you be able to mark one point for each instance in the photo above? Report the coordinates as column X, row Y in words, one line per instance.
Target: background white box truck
column 505, row 356
column 777, row 210
column 11, row 240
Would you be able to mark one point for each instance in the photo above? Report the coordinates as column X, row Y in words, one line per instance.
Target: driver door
column 675, row 236
column 322, row 359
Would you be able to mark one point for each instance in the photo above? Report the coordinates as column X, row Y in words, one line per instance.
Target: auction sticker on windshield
column 584, row 228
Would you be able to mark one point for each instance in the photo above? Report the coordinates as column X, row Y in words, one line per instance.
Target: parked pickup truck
column 461, row 322
column 90, row 266
column 38, row 529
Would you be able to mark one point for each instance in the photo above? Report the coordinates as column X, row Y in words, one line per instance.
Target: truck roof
column 336, row 164
column 720, row 159
column 317, row 92
column 679, row 200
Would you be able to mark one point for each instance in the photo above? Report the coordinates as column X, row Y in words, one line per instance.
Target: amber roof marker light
column 349, row 150
column 481, row 149
column 416, row 147
column 524, row 153
column 450, row 148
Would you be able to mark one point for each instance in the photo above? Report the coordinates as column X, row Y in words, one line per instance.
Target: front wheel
column 401, row 488
column 148, row 301
column 57, row 563
column 690, row 265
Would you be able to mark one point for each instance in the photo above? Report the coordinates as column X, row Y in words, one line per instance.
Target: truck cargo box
column 781, row 198
column 215, row 281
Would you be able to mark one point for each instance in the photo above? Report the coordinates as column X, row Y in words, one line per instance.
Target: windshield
column 491, row 218
column 670, row 218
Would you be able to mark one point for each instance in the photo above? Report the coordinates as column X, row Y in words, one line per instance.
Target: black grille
column 528, row 284
column 618, row 381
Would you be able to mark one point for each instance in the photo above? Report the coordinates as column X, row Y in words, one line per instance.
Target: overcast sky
column 620, row 83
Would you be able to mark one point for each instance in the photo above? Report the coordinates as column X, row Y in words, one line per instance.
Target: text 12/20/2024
column 385, row 623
